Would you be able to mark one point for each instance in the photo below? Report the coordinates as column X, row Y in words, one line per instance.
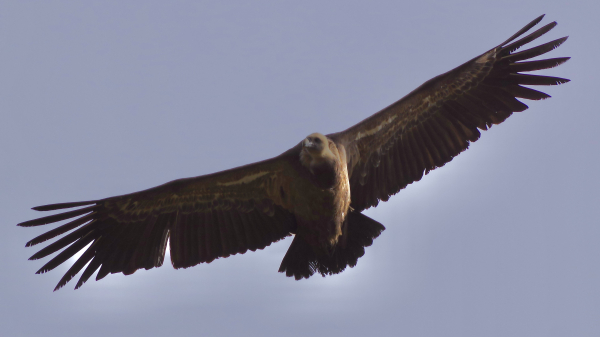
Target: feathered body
column 322, row 205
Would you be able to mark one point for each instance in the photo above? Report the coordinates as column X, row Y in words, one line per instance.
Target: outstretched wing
column 438, row 120
column 205, row 218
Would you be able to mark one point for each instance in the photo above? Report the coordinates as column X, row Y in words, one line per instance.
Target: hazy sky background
column 110, row 97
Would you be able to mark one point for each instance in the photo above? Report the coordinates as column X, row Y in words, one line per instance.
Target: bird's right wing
column 204, row 218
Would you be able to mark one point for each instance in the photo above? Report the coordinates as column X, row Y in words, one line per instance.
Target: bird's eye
column 317, row 140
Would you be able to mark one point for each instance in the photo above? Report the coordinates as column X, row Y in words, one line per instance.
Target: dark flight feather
column 524, row 92
column 536, row 65
column 518, row 44
column 57, row 217
column 63, row 205
column 536, row 51
column 59, row 230
column 524, row 29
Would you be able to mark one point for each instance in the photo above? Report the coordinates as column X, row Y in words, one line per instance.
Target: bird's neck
column 323, row 168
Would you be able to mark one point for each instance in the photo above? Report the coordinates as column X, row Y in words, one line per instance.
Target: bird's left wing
column 438, row 120
column 204, row 218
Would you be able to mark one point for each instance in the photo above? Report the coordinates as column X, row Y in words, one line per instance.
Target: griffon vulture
column 315, row 190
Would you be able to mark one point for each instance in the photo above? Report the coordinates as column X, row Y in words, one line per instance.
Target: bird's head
column 316, row 150
column 315, row 144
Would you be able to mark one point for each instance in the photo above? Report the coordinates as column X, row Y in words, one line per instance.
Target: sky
column 106, row 98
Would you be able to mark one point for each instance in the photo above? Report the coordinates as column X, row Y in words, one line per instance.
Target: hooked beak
column 309, row 145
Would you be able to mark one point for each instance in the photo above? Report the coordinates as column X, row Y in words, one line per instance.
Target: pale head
column 315, row 144
column 316, row 150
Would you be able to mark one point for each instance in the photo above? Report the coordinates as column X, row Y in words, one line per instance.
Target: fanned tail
column 302, row 260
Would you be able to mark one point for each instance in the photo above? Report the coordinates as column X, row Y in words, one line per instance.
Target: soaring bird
column 316, row 190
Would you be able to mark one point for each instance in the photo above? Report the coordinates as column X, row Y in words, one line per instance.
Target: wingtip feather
column 52, row 207
column 57, row 217
column 41, row 270
column 524, row 29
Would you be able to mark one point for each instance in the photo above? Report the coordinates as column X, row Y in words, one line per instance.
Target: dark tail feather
column 302, row 260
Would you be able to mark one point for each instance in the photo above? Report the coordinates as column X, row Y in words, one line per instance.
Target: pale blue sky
column 106, row 98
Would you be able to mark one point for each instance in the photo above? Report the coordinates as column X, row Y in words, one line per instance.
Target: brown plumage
column 316, row 190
